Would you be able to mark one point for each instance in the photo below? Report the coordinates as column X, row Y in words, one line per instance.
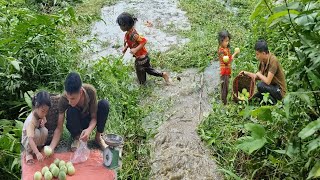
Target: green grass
column 88, row 11
column 93, row 7
column 207, row 19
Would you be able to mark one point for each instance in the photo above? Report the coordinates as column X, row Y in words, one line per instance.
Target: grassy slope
column 207, row 19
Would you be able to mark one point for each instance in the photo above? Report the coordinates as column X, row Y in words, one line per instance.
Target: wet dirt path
column 177, row 150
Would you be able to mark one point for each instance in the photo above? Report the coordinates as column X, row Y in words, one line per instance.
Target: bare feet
column 166, row 77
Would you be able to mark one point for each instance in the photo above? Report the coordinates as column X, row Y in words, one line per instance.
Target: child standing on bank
column 34, row 132
column 225, row 59
column 136, row 43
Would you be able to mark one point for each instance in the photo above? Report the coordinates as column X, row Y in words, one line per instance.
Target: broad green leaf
column 263, row 113
column 314, row 144
column 310, row 129
column 257, row 131
column 286, row 103
column 311, row 5
column 304, row 97
column 258, row 9
column 246, row 112
column 14, row 163
column 4, row 122
column 249, row 144
column 27, row 98
column 292, row 5
column 315, row 171
column 275, row 22
column 315, row 79
column 19, row 124
column 280, row 14
column 303, row 20
column 15, row 64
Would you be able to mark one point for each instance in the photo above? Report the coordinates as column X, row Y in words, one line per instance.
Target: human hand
column 124, row 49
column 39, row 156
column 257, row 74
column 252, row 75
column 43, row 122
column 51, row 148
column 85, row 135
column 133, row 51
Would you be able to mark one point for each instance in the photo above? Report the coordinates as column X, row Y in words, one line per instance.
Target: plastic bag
column 81, row 154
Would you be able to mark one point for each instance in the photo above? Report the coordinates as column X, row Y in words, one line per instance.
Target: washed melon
column 64, row 168
column 44, row 169
column 47, row 150
column 69, row 164
column 37, row 176
column 48, row 175
column 55, row 171
column 62, row 175
column 56, row 161
column 71, row 170
column 62, row 163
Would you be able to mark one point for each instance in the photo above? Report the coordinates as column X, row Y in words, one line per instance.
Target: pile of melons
column 58, row 169
column 243, row 95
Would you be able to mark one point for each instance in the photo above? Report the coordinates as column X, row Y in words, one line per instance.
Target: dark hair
column 73, row 83
column 261, row 46
column 126, row 21
column 222, row 35
column 40, row 99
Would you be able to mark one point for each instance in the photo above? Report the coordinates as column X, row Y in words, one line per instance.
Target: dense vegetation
column 253, row 141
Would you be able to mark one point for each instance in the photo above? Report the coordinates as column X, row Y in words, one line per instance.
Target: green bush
column 34, row 52
column 10, row 136
column 275, row 142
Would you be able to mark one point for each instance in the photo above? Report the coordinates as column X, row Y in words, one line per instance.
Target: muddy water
column 177, row 151
column 158, row 21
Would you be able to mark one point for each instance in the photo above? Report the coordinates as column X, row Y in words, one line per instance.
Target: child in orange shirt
column 225, row 59
column 136, row 43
